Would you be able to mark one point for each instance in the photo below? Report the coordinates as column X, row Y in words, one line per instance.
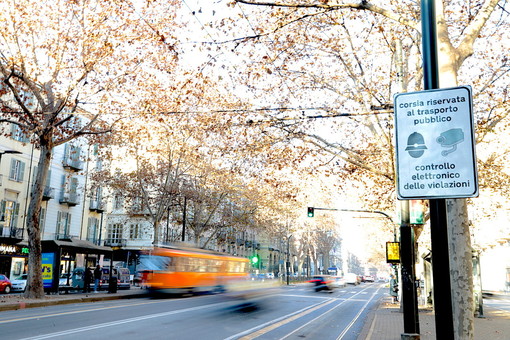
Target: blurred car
column 352, row 279
column 338, row 282
column 270, row 275
column 246, row 295
column 20, row 283
column 5, row 284
column 322, row 282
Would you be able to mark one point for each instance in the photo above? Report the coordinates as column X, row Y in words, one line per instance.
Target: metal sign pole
column 438, row 216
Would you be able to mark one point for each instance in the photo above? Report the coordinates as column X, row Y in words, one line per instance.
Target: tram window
column 233, row 267
column 202, row 265
column 180, row 264
column 153, row 262
column 190, row 264
column 214, row 266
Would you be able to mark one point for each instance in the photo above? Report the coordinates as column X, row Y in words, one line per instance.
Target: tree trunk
column 35, row 289
column 461, row 269
column 156, row 233
column 459, row 241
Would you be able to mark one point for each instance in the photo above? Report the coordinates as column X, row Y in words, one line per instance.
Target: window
column 92, row 229
column 115, row 232
column 42, row 220
column 135, row 231
column 63, row 224
column 118, row 202
column 72, row 153
column 98, row 194
column 9, row 211
column 18, row 134
column 69, row 190
column 72, row 157
column 17, row 170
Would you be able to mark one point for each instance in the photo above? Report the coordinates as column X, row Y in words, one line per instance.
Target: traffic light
column 254, row 259
column 310, row 211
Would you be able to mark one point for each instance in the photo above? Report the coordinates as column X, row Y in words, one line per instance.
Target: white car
column 352, row 279
column 19, row 284
column 338, row 282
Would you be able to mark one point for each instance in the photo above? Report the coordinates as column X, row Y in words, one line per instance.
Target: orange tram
column 175, row 270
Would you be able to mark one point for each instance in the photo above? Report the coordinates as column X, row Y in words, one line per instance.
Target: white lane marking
column 266, row 324
column 332, row 309
column 309, row 322
column 256, row 328
column 119, row 322
column 42, row 316
column 357, row 316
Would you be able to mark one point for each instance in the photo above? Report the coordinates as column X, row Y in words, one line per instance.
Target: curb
column 369, row 320
column 53, row 302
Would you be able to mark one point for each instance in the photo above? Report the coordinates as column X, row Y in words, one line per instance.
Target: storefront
column 13, row 259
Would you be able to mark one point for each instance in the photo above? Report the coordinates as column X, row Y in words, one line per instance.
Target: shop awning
column 75, row 246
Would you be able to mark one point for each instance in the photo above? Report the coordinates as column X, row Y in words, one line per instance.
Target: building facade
column 68, row 211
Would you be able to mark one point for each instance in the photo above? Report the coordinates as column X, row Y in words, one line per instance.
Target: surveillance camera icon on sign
column 416, row 145
column 450, row 139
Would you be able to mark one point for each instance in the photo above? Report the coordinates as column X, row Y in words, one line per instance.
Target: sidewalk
column 14, row 301
column 386, row 322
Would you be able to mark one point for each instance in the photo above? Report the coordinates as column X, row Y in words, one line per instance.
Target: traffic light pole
column 353, row 210
column 288, row 259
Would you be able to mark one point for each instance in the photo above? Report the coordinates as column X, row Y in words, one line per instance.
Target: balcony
column 11, row 235
column 64, row 236
column 72, row 164
column 48, row 194
column 115, row 242
column 97, row 206
column 71, row 199
column 136, row 210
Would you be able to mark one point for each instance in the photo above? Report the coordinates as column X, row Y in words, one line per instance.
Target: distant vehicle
column 5, row 284
column 368, row 278
column 19, row 284
column 322, row 282
column 352, row 279
column 270, row 275
column 338, row 282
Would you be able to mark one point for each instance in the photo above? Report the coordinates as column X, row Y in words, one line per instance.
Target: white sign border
column 475, row 193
